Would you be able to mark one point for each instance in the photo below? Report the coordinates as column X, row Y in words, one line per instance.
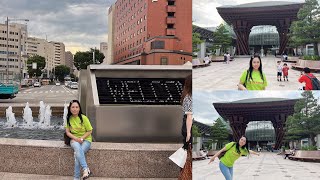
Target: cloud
column 76, row 23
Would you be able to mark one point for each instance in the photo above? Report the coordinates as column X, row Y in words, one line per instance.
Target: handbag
column 224, row 152
column 67, row 139
column 179, row 157
column 186, row 172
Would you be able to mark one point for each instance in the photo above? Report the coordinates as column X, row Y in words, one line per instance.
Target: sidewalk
column 267, row 166
column 221, row 76
column 18, row 176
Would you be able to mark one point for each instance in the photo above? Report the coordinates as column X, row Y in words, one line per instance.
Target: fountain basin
column 112, row 160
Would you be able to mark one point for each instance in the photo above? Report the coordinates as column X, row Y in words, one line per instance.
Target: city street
column 50, row 94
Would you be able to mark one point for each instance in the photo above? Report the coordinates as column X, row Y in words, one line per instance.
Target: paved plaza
column 221, row 76
column 267, row 166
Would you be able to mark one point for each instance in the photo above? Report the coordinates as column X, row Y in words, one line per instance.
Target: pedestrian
column 225, row 58
column 233, row 151
column 186, row 100
column 253, row 78
column 285, row 71
column 79, row 129
column 279, row 71
column 228, row 57
column 311, row 82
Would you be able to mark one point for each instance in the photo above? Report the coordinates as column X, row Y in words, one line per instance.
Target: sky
column 205, row 14
column 79, row 24
column 203, row 110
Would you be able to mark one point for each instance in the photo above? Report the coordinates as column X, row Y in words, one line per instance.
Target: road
column 50, row 94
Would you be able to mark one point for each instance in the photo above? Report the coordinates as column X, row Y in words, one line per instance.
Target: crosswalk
column 47, row 92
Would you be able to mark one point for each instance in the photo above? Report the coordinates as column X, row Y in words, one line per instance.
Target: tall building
column 53, row 52
column 69, row 60
column 16, row 40
column 110, row 35
column 151, row 32
column 104, row 50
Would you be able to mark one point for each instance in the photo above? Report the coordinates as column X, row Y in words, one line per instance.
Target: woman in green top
column 79, row 129
column 253, row 78
column 233, row 152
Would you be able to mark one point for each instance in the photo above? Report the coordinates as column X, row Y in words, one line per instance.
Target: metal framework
column 240, row 113
column 244, row 17
column 204, row 33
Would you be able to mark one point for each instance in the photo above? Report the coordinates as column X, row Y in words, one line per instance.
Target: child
column 279, row 69
column 285, row 70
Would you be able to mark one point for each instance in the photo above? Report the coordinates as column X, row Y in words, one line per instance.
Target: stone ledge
column 112, row 160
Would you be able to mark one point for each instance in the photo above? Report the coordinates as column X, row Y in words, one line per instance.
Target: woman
column 233, row 152
column 186, row 100
column 79, row 129
column 253, row 78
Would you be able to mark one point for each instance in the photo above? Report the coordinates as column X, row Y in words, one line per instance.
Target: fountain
column 41, row 112
column 65, row 113
column 27, row 116
column 47, row 116
column 11, row 120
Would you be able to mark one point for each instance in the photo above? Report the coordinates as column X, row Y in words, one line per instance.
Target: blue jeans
column 79, row 156
column 226, row 171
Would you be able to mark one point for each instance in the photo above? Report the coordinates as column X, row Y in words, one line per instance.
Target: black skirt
column 184, row 132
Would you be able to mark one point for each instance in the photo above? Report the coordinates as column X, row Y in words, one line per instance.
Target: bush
column 313, row 58
column 309, row 148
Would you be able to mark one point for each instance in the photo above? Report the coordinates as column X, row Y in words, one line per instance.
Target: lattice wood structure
column 240, row 113
column 244, row 17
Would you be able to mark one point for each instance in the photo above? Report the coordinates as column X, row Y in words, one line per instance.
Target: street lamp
column 7, row 69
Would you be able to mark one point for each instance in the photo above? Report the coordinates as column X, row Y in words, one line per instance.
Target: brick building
column 151, row 32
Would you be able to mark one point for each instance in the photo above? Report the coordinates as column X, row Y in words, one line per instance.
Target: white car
column 37, row 84
column 57, row 83
column 74, row 85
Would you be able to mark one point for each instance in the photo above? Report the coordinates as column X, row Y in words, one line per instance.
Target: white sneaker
column 86, row 174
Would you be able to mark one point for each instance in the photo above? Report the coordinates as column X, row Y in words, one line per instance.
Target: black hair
column 70, row 114
column 251, row 67
column 285, row 64
column 306, row 70
column 245, row 147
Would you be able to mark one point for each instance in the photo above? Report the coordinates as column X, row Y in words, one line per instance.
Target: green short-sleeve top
column 78, row 129
column 256, row 83
column 232, row 155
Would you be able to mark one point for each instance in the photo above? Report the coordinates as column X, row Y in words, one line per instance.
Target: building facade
column 53, row 52
column 69, row 60
column 16, row 40
column 104, row 51
column 151, row 32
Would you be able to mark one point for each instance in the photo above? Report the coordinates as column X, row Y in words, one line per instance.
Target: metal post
column 7, row 69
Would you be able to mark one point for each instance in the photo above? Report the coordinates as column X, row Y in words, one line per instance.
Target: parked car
column 37, row 84
column 74, row 85
column 57, row 83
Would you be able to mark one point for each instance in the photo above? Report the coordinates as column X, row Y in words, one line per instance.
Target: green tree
column 83, row 59
column 219, row 133
column 41, row 63
column 61, row 71
column 195, row 131
column 305, row 122
column 306, row 29
column 195, row 41
column 222, row 38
